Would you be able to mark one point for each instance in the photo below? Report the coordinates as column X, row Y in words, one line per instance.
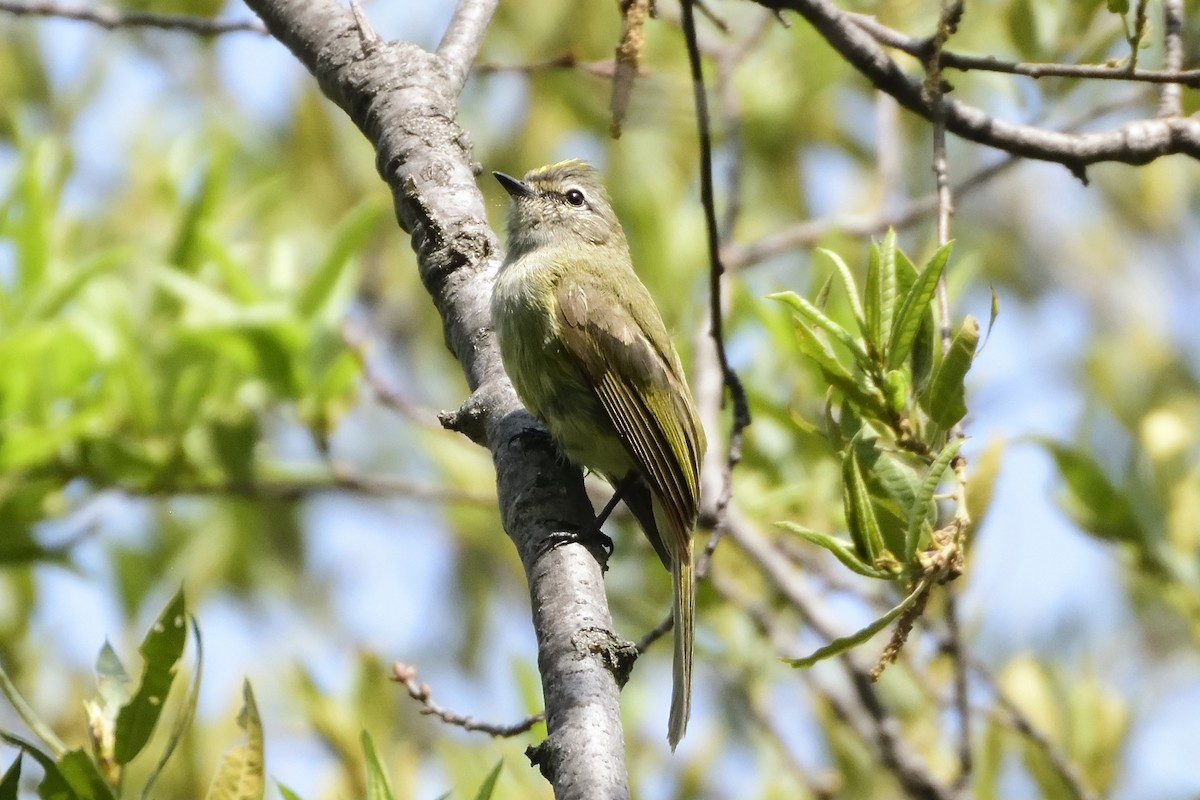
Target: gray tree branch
column 404, row 100
column 1137, row 142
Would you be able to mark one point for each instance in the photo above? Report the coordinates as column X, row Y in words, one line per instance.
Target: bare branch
column 921, row 48
column 404, row 100
column 407, row 675
column 1066, row 769
column 1170, row 103
column 868, row 718
column 1138, row 142
column 737, row 393
column 462, row 39
column 111, row 18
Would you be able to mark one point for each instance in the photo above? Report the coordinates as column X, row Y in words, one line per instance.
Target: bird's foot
column 590, row 536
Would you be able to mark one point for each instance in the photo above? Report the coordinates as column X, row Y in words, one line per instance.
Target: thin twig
column 737, row 393
column 1062, row 764
column 920, row 48
column 1170, row 102
column 872, row 721
column 951, row 14
column 460, row 43
column 655, row 633
column 357, row 342
column 568, row 60
column 407, row 675
column 111, row 18
column 1132, row 142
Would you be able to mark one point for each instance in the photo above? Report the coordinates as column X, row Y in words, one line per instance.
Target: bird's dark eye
column 574, row 197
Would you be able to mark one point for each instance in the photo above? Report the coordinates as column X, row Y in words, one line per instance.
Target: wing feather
column 625, row 352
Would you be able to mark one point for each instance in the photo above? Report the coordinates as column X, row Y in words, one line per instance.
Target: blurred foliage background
column 218, row 369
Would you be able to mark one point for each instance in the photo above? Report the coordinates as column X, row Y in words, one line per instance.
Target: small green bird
column 589, row 355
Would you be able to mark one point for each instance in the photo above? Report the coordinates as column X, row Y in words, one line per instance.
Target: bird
column 589, row 355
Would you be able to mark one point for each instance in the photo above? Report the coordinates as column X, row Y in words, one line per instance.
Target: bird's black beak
column 514, row 187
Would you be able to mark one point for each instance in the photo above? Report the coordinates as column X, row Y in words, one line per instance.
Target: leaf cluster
column 895, row 397
column 152, row 370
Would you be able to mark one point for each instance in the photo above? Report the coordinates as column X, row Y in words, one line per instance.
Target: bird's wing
column 624, row 350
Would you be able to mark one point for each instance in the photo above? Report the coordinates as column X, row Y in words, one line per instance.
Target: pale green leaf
column 161, row 650
column 841, row 550
column 814, row 316
column 919, row 513
column 240, row 776
column 379, row 786
column 913, row 308
column 945, row 397
column 843, row 271
column 489, row 783
column 839, row 646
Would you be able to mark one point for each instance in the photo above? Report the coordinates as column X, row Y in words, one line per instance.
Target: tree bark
column 404, row 100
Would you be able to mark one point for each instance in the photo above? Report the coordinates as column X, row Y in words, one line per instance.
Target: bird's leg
column 592, row 533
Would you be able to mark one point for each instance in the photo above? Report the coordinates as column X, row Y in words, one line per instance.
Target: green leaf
column 161, row 650
column 30, row 718
column 53, row 786
column 912, row 310
column 184, row 720
column 82, row 774
column 839, row 646
column 48, row 302
column 287, row 793
column 204, row 303
column 840, row 549
column 186, row 251
column 379, row 786
column 919, row 513
column 349, row 237
column 11, row 780
column 112, row 681
column 995, row 312
column 848, row 284
column 945, row 398
column 1092, row 500
column 489, row 783
column 881, row 291
column 890, row 490
column 863, row 394
column 1118, row 6
column 240, row 776
column 814, row 316
column 860, row 514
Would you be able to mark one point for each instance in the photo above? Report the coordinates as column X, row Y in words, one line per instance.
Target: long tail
column 684, row 613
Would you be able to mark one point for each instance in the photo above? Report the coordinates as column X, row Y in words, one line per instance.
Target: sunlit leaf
column 839, row 646
column 923, row 502
column 852, row 387
column 843, row 271
column 814, row 316
column 913, row 308
column 841, row 550
column 80, row 771
column 183, row 721
column 880, row 293
column 1093, row 501
column 11, row 780
column 379, row 786
column 860, row 513
column 945, row 398
column 489, row 783
column 161, row 650
column 348, row 238
column 240, row 776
